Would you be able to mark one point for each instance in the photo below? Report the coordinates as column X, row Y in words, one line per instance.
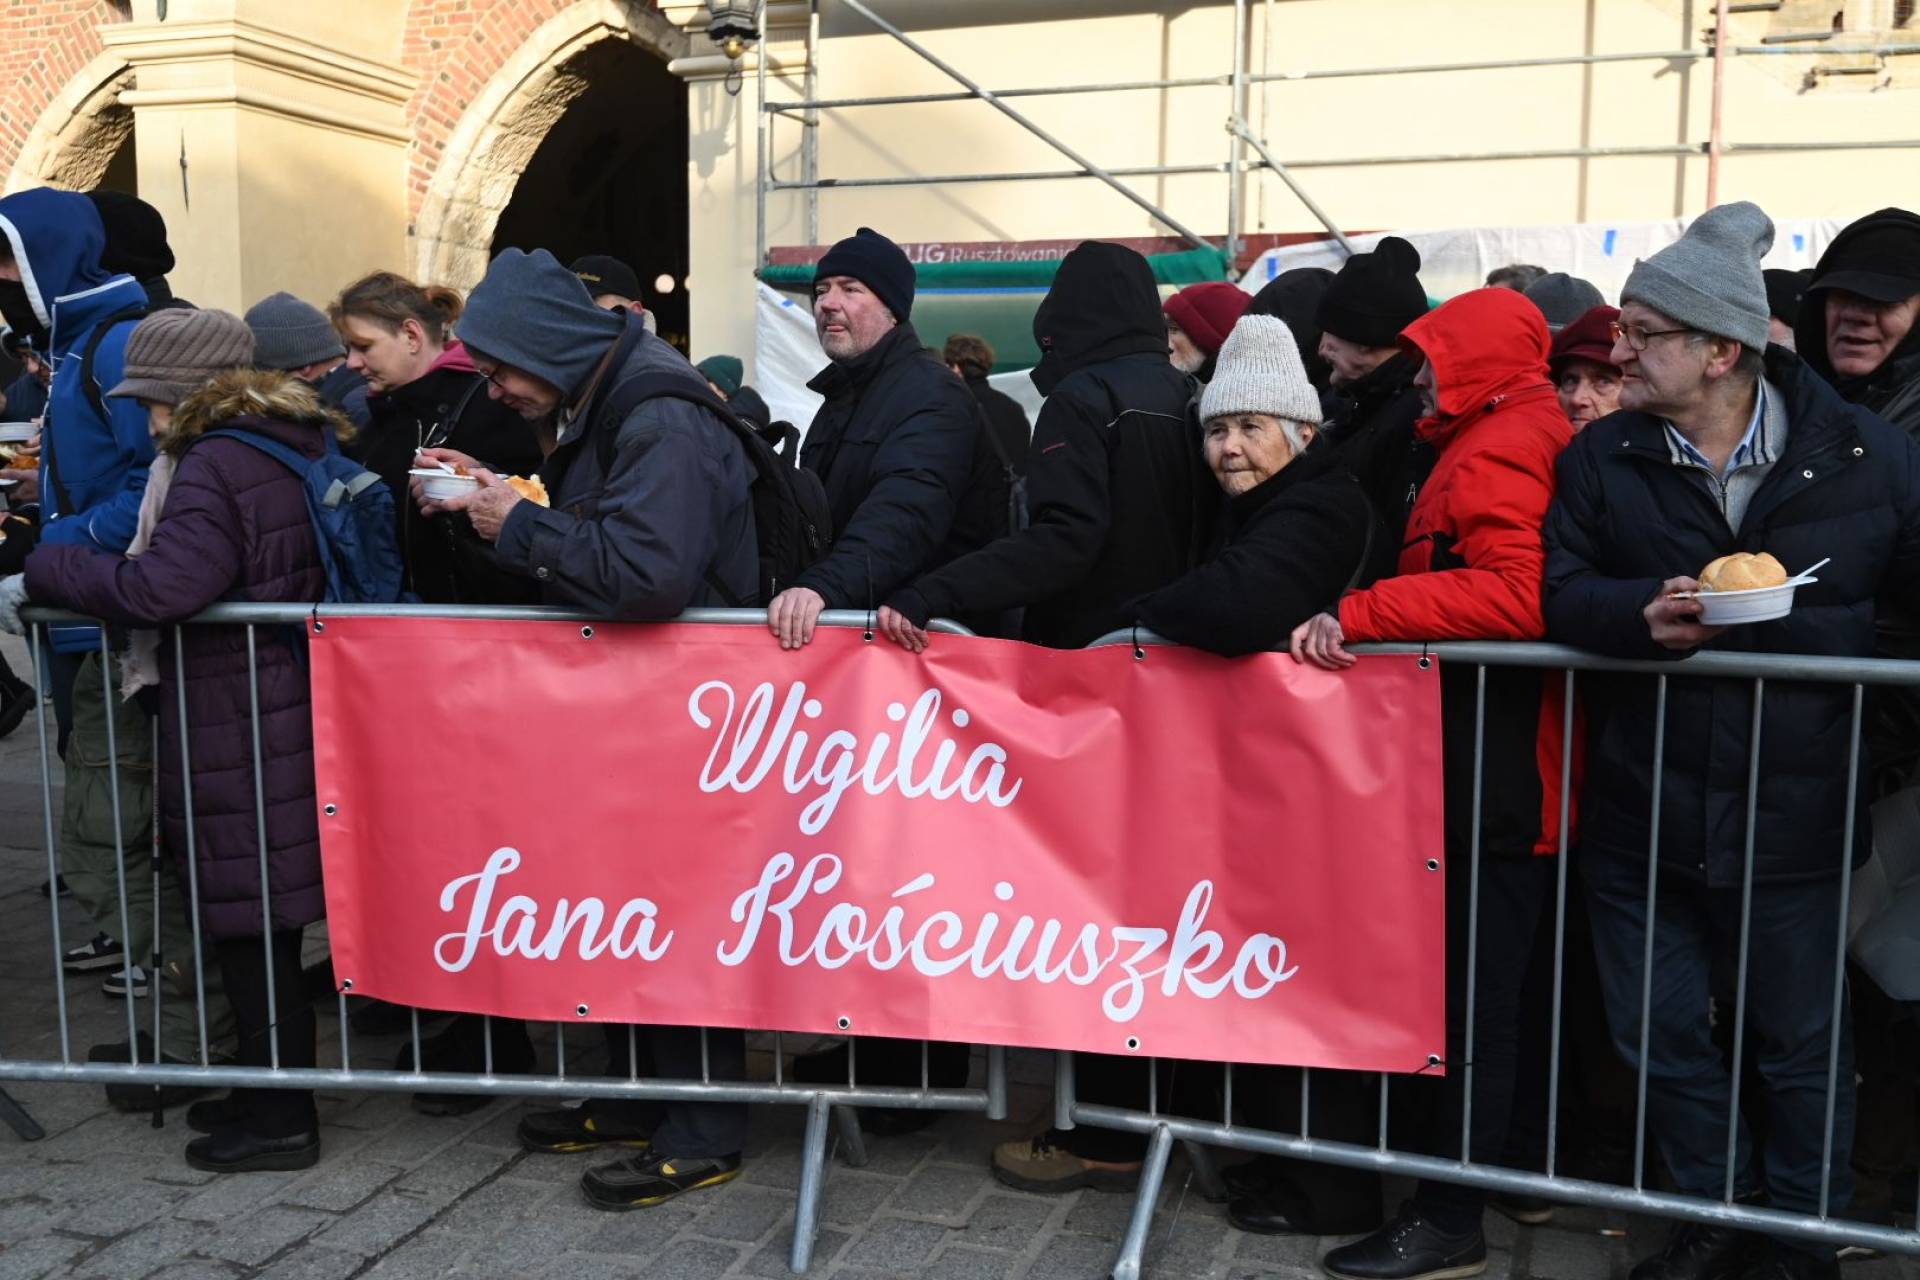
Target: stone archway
column 81, row 130
column 497, row 135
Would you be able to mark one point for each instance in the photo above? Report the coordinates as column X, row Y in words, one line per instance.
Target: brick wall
column 43, row 45
column 455, row 46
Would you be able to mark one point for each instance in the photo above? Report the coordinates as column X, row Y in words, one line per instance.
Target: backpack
column 353, row 519
column 791, row 518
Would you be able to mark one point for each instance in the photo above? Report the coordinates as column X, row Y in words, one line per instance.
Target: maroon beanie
column 1208, row 312
column 1588, row 338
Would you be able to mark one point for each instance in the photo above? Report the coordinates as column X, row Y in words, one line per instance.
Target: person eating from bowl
column 1725, row 444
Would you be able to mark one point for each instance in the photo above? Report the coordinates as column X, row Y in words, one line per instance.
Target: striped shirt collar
column 1753, row 450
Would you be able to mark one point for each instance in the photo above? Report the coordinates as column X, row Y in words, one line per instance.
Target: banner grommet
column 580, row 1009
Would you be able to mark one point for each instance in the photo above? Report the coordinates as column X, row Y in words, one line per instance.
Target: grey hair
column 1748, row 366
column 1295, row 432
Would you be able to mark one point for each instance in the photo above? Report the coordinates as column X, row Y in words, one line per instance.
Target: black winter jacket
column 1291, row 545
column 1121, row 502
column 1007, row 420
column 429, row 411
column 1372, row 430
column 893, row 446
column 1624, row 520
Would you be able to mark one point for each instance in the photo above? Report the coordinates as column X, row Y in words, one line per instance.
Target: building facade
column 296, row 145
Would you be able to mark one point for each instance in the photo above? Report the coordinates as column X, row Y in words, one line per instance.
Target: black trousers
column 684, row 1129
column 1513, row 889
column 270, row 1113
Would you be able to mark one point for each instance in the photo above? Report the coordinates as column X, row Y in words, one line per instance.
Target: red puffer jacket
column 1471, row 566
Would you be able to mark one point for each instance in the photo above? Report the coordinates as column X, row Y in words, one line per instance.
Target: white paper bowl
column 1760, row 604
column 440, row 486
column 18, row 432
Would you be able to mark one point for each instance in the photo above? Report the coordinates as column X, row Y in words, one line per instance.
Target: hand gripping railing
column 828, row 1106
column 1198, row 1134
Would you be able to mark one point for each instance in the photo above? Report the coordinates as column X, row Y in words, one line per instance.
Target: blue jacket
column 58, row 238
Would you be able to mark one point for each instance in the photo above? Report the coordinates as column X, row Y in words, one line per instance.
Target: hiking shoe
column 132, row 978
column 565, row 1130
column 1035, row 1164
column 1409, row 1248
column 101, row 953
column 640, row 1182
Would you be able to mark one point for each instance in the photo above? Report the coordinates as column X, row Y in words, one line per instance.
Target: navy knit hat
column 876, row 262
column 1375, row 295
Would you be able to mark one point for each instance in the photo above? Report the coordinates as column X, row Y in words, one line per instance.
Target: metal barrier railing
column 829, row 1106
column 1162, row 1127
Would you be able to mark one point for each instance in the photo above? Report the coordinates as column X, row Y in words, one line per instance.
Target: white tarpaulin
column 1454, row 261
column 787, row 354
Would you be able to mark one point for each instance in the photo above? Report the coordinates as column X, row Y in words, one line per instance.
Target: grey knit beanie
column 291, row 334
column 171, row 354
column 1709, row 279
column 1259, row 371
column 1562, row 298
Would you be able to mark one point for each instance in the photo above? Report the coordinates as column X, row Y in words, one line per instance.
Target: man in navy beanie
column 642, row 525
column 893, row 445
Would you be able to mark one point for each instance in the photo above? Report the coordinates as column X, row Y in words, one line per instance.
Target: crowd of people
column 1331, row 461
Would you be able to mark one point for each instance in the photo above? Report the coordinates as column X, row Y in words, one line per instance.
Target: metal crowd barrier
column 829, row 1107
column 1162, row 1127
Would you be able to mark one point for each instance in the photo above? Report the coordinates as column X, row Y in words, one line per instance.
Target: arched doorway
column 610, row 176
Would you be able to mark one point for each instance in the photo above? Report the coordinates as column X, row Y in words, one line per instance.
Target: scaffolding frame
column 1241, row 134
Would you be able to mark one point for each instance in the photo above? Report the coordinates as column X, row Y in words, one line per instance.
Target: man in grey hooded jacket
column 656, row 521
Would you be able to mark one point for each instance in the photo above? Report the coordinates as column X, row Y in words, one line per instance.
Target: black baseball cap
column 603, row 273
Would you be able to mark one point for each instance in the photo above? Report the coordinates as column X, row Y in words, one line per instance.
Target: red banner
column 1176, row 855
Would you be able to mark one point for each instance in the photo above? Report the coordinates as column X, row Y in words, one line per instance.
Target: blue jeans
column 1789, row 1019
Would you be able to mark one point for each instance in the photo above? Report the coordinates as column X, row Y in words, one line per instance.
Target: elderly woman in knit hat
column 1296, row 530
column 1581, row 364
column 221, row 519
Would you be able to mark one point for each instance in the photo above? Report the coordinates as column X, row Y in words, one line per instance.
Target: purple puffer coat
column 235, row 526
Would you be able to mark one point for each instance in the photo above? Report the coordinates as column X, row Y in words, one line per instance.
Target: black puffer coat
column 1624, row 520
column 1371, row 429
column 235, row 526
column 1290, row 546
column 893, row 445
column 1121, row 502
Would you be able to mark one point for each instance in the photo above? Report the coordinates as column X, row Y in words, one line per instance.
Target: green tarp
column 996, row 300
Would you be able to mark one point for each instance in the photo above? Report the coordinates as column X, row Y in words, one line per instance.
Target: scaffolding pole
column 1237, row 131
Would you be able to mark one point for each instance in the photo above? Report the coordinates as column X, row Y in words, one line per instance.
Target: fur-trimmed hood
column 251, row 393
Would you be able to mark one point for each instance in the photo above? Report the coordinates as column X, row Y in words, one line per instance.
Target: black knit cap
column 1375, row 295
column 876, row 262
column 136, row 235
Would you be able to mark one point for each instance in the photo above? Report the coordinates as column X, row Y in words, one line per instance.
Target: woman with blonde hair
column 424, row 393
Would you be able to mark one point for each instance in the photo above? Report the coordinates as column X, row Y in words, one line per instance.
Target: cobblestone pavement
column 399, row 1194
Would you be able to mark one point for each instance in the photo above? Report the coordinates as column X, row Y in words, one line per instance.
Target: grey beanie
column 172, row 353
column 1259, row 370
column 1562, row 298
column 536, row 315
column 1710, row 279
column 291, row 334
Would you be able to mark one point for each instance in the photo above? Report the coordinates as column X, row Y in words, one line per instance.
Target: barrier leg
column 813, row 1175
column 853, row 1143
column 1128, row 1264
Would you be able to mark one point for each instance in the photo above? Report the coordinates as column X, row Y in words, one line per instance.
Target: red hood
column 1486, row 346
column 453, row 356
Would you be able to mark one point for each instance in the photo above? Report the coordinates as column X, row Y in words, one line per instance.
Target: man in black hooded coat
column 1119, row 495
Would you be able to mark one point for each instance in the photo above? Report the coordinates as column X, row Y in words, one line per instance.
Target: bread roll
column 533, row 488
column 1742, row 571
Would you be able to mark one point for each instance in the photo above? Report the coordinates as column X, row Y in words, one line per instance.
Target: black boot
column 1696, row 1251
column 237, row 1151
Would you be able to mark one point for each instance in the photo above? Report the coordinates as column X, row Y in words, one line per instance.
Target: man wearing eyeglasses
column 1723, row 444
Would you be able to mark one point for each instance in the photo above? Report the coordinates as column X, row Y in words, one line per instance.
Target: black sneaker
column 101, row 953
column 132, row 978
column 640, row 1182
column 1409, row 1248
column 566, row 1130
column 1696, row 1251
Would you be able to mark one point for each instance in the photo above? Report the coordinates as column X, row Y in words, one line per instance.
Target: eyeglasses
column 1638, row 337
column 491, row 375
